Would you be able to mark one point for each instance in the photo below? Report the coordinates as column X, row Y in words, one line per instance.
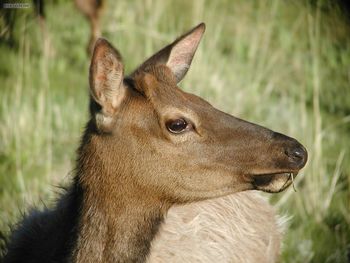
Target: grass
column 283, row 64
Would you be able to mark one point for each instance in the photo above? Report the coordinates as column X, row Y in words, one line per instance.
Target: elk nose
column 297, row 155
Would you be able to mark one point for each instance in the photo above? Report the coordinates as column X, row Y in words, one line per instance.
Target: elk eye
column 176, row 126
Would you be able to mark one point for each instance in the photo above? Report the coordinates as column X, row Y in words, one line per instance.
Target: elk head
column 174, row 144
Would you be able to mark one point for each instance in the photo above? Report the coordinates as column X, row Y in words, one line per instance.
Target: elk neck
column 118, row 218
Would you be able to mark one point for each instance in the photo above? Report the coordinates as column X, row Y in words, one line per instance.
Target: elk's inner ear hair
column 106, row 75
column 106, row 83
column 104, row 122
column 178, row 55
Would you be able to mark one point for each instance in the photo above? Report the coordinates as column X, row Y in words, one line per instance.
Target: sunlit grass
column 282, row 64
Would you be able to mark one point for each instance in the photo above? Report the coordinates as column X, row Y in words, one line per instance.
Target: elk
column 92, row 10
column 149, row 148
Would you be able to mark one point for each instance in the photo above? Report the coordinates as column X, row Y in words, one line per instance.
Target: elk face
column 175, row 143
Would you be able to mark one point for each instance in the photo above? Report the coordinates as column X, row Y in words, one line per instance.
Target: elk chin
column 273, row 183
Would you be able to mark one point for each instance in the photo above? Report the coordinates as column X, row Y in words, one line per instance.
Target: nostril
column 297, row 154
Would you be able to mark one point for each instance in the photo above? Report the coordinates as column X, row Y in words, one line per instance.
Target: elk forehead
column 156, row 81
column 159, row 85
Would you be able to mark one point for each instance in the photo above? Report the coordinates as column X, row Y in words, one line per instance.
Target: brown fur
column 132, row 167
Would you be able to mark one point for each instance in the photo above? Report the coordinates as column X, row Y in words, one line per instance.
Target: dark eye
column 176, row 126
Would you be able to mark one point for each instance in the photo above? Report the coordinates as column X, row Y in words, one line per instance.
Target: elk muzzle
column 293, row 158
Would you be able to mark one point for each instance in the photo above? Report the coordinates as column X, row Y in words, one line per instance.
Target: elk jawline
column 273, row 183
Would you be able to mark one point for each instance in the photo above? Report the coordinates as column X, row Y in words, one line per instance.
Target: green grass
column 283, row 64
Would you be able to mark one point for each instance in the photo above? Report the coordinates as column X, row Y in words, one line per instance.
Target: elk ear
column 179, row 54
column 106, row 77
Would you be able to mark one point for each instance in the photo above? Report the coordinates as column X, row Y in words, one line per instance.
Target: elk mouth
column 273, row 183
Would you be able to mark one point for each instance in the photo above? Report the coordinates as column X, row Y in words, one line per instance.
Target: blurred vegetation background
column 282, row 64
